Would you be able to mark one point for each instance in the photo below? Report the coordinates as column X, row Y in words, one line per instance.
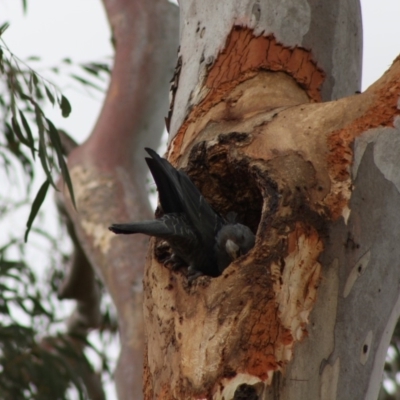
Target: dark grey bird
column 198, row 236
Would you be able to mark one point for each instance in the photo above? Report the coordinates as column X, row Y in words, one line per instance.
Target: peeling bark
column 294, row 315
column 245, row 54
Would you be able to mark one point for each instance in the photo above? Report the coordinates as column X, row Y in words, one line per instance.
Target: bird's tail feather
column 151, row 228
column 166, row 178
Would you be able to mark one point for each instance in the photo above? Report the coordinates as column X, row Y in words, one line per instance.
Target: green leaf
column 18, row 132
column 28, row 131
column 35, row 79
column 12, row 144
column 30, row 84
column 38, row 93
column 65, row 106
column 38, row 308
column 55, row 140
column 101, row 66
column 85, row 82
column 27, row 98
column 33, row 58
column 49, row 95
column 90, row 69
column 96, row 69
column 4, row 27
column 68, row 181
column 43, row 160
column 40, row 196
column 12, row 102
column 42, row 144
column 1, row 62
column 39, row 121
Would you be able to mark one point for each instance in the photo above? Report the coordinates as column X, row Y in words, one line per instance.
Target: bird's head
column 233, row 241
column 241, row 239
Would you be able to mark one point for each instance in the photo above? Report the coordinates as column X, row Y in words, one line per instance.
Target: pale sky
column 54, row 29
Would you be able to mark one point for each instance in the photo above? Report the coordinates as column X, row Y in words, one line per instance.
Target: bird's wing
column 165, row 177
column 179, row 194
column 198, row 211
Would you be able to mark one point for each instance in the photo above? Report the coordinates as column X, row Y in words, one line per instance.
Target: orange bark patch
column 267, row 338
column 265, row 359
column 243, row 57
column 382, row 112
column 246, row 53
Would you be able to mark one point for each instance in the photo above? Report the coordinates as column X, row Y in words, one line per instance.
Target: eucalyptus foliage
column 21, row 107
column 36, row 360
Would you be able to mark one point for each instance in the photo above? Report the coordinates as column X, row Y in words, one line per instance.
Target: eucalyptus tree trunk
column 267, row 121
column 109, row 178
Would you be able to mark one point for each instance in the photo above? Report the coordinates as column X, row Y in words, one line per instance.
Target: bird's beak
column 232, row 249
